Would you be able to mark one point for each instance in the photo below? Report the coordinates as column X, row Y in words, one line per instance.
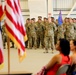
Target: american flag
column 1, row 11
column 15, row 28
column 1, row 43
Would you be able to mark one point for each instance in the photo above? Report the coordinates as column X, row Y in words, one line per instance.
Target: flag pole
column 8, row 47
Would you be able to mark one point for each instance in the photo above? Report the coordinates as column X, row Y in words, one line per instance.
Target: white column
column 50, row 7
column 37, row 8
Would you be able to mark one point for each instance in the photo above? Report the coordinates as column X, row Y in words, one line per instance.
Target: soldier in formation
column 74, row 21
column 69, row 30
column 40, row 33
column 26, row 27
column 31, row 28
column 49, row 36
column 46, row 32
column 4, row 36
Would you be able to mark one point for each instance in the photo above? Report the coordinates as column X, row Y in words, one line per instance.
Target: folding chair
column 63, row 69
column 72, row 70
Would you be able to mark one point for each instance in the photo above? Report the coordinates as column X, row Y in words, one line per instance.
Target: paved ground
column 33, row 62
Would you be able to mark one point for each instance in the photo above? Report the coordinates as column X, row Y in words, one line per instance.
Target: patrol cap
column 28, row 18
column 45, row 18
column 52, row 17
column 39, row 16
column 32, row 18
column 67, row 17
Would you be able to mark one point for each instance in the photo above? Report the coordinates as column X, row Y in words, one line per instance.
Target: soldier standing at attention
column 74, row 21
column 65, row 24
column 55, row 32
column 4, row 36
column 34, row 19
column 70, row 30
column 35, row 25
column 32, row 34
column 12, row 44
column 40, row 33
column 45, row 21
column 60, row 32
column 27, row 32
column 49, row 36
column 40, row 17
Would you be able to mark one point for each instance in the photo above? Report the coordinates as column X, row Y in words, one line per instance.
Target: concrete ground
column 33, row 62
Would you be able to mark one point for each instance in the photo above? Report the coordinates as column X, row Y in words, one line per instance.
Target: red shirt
column 54, row 69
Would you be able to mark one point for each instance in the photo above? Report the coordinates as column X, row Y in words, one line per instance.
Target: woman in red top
column 63, row 47
column 62, row 58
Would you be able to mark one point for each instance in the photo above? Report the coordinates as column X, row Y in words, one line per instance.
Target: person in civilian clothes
column 63, row 46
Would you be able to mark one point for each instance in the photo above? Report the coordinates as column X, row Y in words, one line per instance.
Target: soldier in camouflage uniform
column 74, row 21
column 44, row 22
column 4, row 36
column 27, row 32
column 12, row 44
column 49, row 36
column 56, row 22
column 32, row 34
column 55, row 32
column 65, row 23
column 40, row 17
column 60, row 32
column 40, row 34
column 34, row 20
column 35, row 24
column 70, row 30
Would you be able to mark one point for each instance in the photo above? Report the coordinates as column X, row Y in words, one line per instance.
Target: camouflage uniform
column 69, row 31
column 75, row 30
column 60, row 32
column 44, row 23
column 64, row 28
column 49, row 36
column 55, row 32
column 4, row 36
column 12, row 44
column 27, row 32
column 32, row 35
column 40, row 34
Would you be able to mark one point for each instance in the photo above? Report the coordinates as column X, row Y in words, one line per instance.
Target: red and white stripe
column 15, row 25
column 1, row 11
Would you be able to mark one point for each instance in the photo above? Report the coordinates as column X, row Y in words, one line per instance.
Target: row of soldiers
column 47, row 32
